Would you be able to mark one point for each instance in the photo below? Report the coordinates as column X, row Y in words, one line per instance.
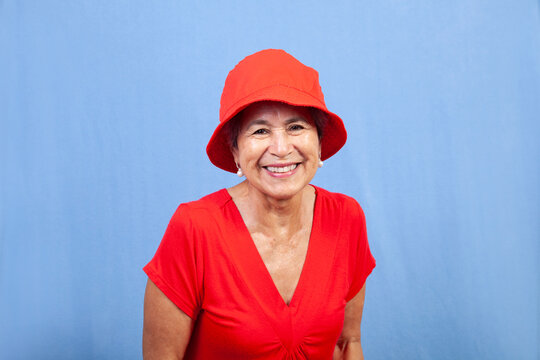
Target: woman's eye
column 260, row 132
column 296, row 127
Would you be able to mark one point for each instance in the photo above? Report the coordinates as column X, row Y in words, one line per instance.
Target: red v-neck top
column 209, row 266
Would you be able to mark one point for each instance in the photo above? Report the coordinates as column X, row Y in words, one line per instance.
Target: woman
column 272, row 268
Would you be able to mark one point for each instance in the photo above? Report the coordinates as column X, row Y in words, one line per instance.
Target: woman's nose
column 281, row 145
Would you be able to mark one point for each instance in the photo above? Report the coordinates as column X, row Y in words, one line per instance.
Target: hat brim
column 334, row 133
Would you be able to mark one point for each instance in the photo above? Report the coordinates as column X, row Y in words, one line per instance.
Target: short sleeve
column 176, row 267
column 361, row 262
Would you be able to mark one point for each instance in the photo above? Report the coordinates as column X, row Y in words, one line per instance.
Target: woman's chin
column 281, row 192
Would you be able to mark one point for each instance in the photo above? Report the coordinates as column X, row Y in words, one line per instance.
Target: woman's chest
column 284, row 259
column 244, row 311
column 243, row 307
column 309, row 282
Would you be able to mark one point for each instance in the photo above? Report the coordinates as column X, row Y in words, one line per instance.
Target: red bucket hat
column 271, row 75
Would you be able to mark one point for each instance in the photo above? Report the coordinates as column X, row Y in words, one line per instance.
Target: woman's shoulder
column 338, row 200
column 203, row 208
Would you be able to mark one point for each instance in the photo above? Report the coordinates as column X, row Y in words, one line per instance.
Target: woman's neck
column 279, row 217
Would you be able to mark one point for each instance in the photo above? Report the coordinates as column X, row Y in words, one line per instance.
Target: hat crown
column 267, row 68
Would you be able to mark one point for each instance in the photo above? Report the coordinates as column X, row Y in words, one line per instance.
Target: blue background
column 106, row 108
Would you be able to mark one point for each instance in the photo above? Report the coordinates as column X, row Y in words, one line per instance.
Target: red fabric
column 208, row 265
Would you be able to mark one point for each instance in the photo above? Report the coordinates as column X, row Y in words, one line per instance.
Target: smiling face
column 277, row 148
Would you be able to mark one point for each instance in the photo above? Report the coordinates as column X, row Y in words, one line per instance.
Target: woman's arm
column 348, row 346
column 166, row 329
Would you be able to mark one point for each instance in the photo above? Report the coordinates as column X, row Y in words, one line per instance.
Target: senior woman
column 274, row 267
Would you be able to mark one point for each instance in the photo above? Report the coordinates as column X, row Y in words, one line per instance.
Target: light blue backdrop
column 106, row 108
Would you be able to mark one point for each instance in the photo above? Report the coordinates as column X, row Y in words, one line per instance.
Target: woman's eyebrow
column 296, row 119
column 258, row 122
column 267, row 123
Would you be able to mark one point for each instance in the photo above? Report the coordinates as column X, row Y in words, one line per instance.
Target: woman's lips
column 281, row 170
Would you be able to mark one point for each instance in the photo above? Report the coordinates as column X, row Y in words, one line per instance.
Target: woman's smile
column 281, row 170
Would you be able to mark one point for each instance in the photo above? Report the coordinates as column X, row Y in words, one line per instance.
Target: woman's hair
column 232, row 127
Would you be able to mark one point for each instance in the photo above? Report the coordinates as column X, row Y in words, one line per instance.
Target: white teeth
column 281, row 169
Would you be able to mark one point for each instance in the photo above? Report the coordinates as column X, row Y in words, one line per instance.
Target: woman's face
column 277, row 148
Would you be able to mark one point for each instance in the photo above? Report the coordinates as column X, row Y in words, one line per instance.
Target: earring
column 320, row 163
column 240, row 173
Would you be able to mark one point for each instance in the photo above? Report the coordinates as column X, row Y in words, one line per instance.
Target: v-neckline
column 256, row 262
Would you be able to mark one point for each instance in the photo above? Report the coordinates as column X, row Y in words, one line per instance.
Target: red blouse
column 208, row 265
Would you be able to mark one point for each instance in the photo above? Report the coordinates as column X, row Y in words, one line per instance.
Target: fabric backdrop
column 106, row 108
